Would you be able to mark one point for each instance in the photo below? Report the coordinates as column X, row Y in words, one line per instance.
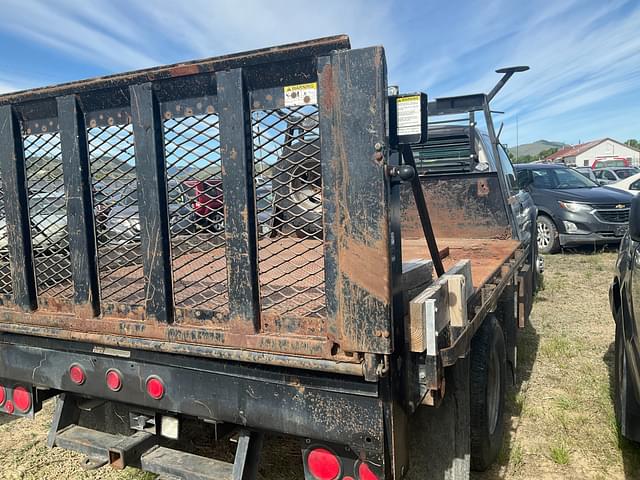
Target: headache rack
column 451, row 150
column 185, row 208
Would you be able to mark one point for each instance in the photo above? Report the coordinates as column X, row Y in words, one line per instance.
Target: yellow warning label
column 303, row 94
column 413, row 98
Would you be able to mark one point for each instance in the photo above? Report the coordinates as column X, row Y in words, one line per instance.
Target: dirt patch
column 560, row 422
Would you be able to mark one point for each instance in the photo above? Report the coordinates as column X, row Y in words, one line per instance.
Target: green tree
column 633, row 143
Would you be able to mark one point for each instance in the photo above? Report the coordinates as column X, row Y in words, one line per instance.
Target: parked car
column 573, row 210
column 626, row 313
column 630, row 184
column 207, row 201
column 123, row 222
column 609, row 175
column 587, row 172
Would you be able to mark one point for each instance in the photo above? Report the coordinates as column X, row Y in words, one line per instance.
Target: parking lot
column 560, row 420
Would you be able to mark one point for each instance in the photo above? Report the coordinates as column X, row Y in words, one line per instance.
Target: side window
column 523, row 176
column 609, row 176
column 635, row 185
column 598, row 173
column 508, row 170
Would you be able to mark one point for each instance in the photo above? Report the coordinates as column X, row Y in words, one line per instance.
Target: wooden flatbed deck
column 486, row 255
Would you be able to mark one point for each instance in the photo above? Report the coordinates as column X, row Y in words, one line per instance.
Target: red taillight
column 3, row 395
column 9, row 408
column 155, row 388
column 76, row 372
column 114, row 380
column 365, row 473
column 323, row 464
column 22, row 399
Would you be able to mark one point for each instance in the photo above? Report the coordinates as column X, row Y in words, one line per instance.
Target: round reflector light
column 22, row 399
column 323, row 464
column 365, row 473
column 155, row 388
column 9, row 408
column 76, row 372
column 114, row 380
column 3, row 395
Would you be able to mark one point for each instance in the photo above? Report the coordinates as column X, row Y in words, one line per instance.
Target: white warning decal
column 409, row 118
column 303, row 94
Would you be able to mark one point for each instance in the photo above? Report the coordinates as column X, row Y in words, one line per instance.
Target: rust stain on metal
column 483, row 188
column 364, row 265
column 182, row 70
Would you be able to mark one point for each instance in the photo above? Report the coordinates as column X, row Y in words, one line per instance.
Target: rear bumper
column 283, row 400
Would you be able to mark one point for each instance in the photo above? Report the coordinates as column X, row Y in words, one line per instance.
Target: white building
column 586, row 154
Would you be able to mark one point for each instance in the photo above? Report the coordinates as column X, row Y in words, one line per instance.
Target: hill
column 533, row 149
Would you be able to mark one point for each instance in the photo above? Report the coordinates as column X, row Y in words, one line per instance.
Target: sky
column 584, row 55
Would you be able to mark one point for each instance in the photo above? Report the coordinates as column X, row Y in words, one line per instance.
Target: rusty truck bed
column 486, row 255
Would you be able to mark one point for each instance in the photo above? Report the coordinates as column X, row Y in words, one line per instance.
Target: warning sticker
column 409, row 115
column 304, row 94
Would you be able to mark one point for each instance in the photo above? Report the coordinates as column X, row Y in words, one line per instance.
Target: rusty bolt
column 385, row 333
column 379, row 156
column 377, row 333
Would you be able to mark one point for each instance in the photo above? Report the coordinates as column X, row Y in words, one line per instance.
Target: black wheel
column 217, row 223
column 547, row 235
column 626, row 405
column 487, row 393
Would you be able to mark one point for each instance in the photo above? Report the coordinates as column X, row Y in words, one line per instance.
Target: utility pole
column 517, row 141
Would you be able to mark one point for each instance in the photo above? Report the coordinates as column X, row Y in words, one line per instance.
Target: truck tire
column 439, row 446
column 487, row 393
column 626, row 405
column 547, row 235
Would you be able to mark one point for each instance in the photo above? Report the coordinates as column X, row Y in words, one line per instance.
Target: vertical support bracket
column 245, row 466
column 80, row 217
column 236, row 151
column 16, row 203
column 152, row 202
column 352, row 105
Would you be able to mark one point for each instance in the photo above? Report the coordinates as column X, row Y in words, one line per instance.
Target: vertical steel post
column 236, row 151
column 352, row 104
column 16, row 204
column 80, row 214
column 152, row 202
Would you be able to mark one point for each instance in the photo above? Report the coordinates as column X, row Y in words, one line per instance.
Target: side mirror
column 602, row 182
column 634, row 219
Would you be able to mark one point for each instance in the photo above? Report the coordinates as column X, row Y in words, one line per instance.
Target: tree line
column 532, row 158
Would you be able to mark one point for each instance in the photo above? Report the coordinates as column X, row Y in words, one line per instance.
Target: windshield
column 560, row 178
column 625, row 172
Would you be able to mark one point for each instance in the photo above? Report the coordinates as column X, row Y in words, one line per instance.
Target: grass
column 559, row 452
column 561, row 421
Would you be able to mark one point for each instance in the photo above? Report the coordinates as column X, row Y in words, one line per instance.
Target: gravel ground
column 560, row 421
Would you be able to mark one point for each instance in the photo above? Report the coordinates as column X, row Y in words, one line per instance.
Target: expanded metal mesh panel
column 48, row 214
column 288, row 188
column 6, row 287
column 194, row 176
column 115, row 201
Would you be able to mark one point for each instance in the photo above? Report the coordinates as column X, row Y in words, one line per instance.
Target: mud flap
column 439, row 438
